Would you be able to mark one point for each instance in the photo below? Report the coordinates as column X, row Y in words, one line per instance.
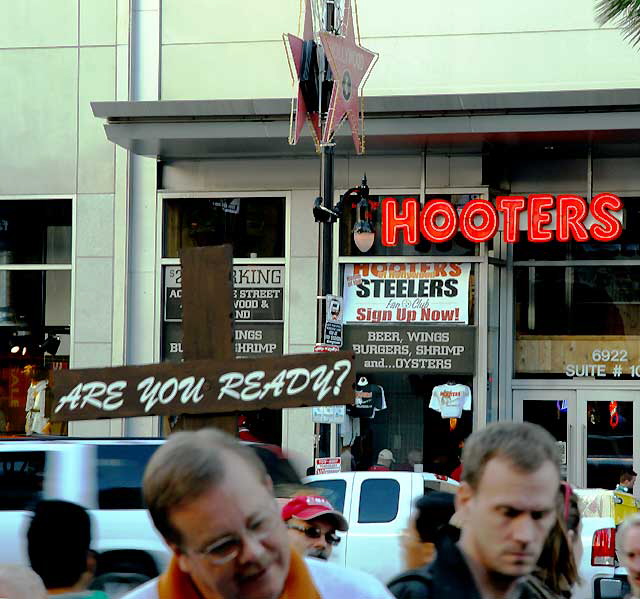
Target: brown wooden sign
column 205, row 386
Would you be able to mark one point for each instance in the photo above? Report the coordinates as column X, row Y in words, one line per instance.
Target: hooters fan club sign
column 480, row 220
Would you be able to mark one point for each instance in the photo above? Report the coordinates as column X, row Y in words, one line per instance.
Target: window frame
column 161, row 261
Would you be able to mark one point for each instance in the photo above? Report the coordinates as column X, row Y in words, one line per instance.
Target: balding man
column 211, row 499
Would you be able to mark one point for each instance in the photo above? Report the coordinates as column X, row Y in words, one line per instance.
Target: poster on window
column 257, row 293
column 411, row 293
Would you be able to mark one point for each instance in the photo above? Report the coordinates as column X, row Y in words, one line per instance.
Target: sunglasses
column 315, row 533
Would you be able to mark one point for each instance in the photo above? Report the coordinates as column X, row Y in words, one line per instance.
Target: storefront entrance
column 596, row 430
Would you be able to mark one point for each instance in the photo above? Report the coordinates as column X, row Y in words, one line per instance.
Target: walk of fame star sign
column 350, row 64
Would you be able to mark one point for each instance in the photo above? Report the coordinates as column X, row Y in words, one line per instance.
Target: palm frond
column 622, row 13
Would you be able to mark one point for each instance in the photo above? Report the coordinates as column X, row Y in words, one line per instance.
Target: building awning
column 170, row 130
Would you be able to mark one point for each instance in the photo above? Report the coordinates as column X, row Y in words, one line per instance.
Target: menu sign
column 413, row 348
column 257, row 339
column 172, row 294
column 258, row 292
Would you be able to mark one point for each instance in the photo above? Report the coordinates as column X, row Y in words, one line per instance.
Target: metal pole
column 325, row 242
column 325, row 232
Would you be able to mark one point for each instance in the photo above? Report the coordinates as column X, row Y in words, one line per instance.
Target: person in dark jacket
column 431, row 515
column 506, row 504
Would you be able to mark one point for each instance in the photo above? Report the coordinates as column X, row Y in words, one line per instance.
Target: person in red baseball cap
column 312, row 523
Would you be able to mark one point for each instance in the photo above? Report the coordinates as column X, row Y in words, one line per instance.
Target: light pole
column 329, row 68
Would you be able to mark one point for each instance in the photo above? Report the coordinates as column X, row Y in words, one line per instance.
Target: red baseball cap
column 308, row 507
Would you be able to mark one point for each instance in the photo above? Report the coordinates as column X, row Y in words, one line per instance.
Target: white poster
column 417, row 292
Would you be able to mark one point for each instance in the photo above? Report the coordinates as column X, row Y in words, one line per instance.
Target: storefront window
column 626, row 247
column 577, row 320
column 414, row 424
column 458, row 246
column 254, row 226
column 35, row 305
column 409, row 326
column 35, row 232
column 258, row 300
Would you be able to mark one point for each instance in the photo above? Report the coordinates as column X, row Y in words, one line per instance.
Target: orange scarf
column 175, row 584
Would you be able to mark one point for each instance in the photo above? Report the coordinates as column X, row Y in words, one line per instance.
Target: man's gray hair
column 621, row 534
column 525, row 445
column 185, row 467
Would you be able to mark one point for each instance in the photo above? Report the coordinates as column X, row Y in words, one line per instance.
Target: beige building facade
column 123, row 120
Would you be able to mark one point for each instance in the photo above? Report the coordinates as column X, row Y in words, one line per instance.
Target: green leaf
column 621, row 13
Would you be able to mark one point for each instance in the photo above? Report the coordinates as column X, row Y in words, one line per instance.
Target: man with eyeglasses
column 211, row 499
column 312, row 523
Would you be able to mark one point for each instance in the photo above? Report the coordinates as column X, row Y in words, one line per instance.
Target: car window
column 120, row 471
column 334, row 490
column 21, row 479
column 379, row 500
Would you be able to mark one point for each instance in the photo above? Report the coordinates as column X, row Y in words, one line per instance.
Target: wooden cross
column 210, row 380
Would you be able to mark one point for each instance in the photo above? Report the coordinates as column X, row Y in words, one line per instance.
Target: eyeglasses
column 315, row 533
column 228, row 548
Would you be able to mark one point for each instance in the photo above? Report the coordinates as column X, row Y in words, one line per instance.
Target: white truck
column 377, row 506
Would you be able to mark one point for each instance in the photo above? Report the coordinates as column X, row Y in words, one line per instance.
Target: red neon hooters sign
column 478, row 221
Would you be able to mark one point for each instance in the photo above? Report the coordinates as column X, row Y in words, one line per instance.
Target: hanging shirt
column 450, row 400
column 369, row 400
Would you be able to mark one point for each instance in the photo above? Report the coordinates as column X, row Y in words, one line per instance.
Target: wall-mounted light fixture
column 50, row 345
column 363, row 231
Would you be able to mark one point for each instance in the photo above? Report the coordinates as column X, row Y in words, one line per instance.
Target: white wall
column 229, row 49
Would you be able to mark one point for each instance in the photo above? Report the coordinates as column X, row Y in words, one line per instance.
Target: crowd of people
column 512, row 531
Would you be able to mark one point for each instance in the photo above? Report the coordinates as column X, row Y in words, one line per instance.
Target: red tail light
column 603, row 547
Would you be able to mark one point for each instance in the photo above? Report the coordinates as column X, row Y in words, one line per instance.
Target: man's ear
column 181, row 557
column 464, row 495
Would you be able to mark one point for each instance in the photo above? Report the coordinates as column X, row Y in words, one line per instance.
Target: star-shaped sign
column 351, row 65
column 299, row 109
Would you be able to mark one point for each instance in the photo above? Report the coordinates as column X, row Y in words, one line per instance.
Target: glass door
column 607, row 446
column 554, row 411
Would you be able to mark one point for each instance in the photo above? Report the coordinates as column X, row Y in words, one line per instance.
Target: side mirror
column 610, row 588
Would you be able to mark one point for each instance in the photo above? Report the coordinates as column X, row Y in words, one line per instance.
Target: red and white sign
column 413, row 293
column 328, row 465
column 320, row 348
column 479, row 220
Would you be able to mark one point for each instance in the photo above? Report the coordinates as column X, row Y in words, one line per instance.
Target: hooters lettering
column 438, row 220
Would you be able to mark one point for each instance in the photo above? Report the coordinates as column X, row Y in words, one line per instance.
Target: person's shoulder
column 148, row 590
column 412, row 584
column 531, row 587
column 332, row 580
